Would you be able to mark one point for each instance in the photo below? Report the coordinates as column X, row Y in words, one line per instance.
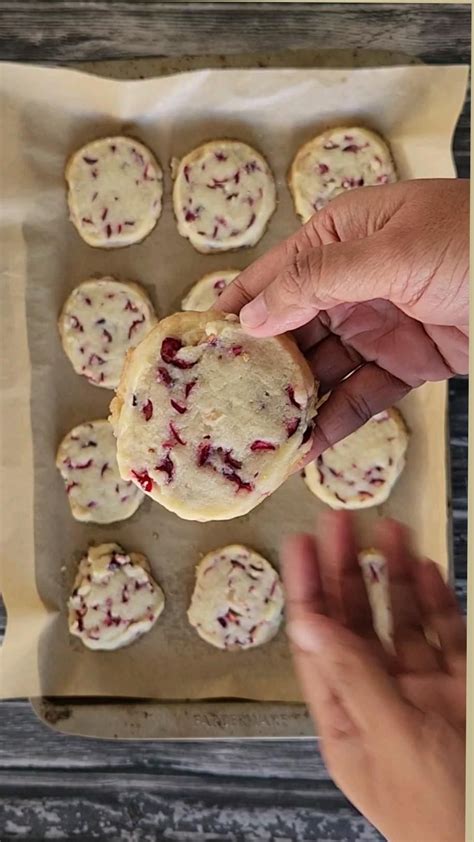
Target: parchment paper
column 46, row 115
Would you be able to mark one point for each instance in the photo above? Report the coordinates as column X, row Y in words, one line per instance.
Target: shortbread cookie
column 114, row 600
column 361, row 470
column 223, row 196
column 209, row 420
column 205, row 292
column 100, row 321
column 238, row 599
column 374, row 570
column 115, row 189
column 337, row 160
column 87, row 460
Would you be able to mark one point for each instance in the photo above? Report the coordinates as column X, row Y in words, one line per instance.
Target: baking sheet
column 415, row 108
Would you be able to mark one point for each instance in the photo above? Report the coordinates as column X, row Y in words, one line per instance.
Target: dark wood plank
column 62, row 30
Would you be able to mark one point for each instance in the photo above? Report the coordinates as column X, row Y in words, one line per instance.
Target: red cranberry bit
column 331, row 145
column 215, row 232
column 169, row 348
column 189, row 387
column 113, row 147
column 125, row 594
column 390, row 462
column 291, row 394
column 147, row 410
column 178, row 407
column 176, row 435
column 319, row 464
column 94, row 196
column 377, row 482
column 70, row 486
column 108, row 231
column 251, row 166
column 166, row 465
column 138, row 156
column 134, row 400
column 229, row 460
column 94, row 173
column 352, row 147
column 341, row 499
column 186, row 170
column 258, row 444
column 364, row 495
column 240, row 483
column 374, row 575
column 335, row 473
column 190, row 216
column 236, row 350
column 129, row 222
column 94, row 358
column 233, row 616
column 203, row 452
column 222, row 621
column 104, row 213
column 382, row 179
column 89, row 160
column 87, row 220
column 238, row 564
column 164, row 376
column 76, row 324
column 220, row 156
column 220, row 284
column 100, row 322
column 104, row 468
column 107, row 335
column 134, row 325
column 292, row 426
column 322, row 169
column 92, row 504
column 110, row 620
column 252, row 220
column 90, row 443
column 144, row 479
column 88, row 300
column 231, row 196
column 82, row 467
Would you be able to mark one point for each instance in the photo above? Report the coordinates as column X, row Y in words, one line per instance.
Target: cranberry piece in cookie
column 205, row 292
column 100, row 321
column 374, row 570
column 339, row 159
column 230, row 419
column 114, row 600
column 115, row 189
column 238, row 599
column 361, row 470
column 87, row 461
column 223, row 197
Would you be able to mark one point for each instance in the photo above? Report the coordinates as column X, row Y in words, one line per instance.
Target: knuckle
column 359, row 407
column 297, row 278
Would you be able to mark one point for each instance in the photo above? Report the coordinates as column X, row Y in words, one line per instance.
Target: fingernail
column 306, row 635
column 255, row 313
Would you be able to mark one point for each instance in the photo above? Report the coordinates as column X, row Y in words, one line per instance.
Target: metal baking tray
column 146, row 719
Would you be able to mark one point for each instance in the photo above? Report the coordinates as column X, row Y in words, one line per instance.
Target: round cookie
column 361, row 470
column 334, row 161
column 205, row 292
column 209, row 421
column 100, row 321
column 114, row 600
column 223, row 196
column 238, row 599
column 115, row 190
column 374, row 570
column 87, row 461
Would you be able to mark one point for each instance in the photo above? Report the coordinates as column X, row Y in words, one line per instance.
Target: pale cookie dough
column 223, row 196
column 337, row 160
column 361, row 470
column 115, row 189
column 87, row 461
column 114, row 600
column 205, row 292
column 374, row 571
column 238, row 599
column 209, row 421
column 100, row 321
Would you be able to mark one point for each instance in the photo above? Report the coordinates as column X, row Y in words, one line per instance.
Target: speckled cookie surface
column 374, row 571
column 238, row 599
column 339, row 159
column 114, row 600
column 224, row 195
column 100, row 321
column 209, row 421
column 205, row 292
column 115, row 189
column 361, row 470
column 87, row 461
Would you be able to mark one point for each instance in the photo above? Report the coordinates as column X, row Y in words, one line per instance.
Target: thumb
column 318, row 279
column 347, row 666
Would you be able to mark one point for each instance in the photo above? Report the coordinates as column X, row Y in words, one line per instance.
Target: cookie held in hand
column 209, row 421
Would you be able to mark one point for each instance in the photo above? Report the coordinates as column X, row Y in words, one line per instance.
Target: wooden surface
column 53, row 787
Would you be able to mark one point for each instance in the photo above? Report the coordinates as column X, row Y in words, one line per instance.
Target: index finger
column 264, row 270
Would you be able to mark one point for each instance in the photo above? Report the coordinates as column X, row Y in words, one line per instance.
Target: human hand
column 392, row 727
column 376, row 283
